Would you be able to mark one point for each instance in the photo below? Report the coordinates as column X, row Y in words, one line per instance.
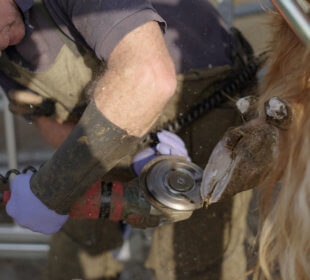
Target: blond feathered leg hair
column 284, row 251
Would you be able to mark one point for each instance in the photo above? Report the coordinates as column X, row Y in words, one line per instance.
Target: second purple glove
column 169, row 144
column 28, row 211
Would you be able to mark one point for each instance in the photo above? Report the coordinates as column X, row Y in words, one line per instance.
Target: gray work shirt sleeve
column 102, row 24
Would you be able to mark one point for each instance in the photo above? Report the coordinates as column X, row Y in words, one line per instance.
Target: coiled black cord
column 235, row 83
column 5, row 179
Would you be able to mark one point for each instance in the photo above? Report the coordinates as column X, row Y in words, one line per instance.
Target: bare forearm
column 139, row 80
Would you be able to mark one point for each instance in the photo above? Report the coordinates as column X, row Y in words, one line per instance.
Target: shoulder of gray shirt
column 101, row 25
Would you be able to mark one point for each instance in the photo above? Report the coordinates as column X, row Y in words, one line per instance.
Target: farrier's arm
column 138, row 82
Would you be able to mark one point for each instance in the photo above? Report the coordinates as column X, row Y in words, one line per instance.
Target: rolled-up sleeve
column 103, row 23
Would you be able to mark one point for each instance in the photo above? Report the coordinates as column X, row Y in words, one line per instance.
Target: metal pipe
column 226, row 9
column 229, row 11
column 251, row 8
column 16, row 234
column 10, row 138
column 22, row 251
column 296, row 16
column 34, row 157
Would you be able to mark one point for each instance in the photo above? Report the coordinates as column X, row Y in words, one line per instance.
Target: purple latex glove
column 169, row 144
column 28, row 211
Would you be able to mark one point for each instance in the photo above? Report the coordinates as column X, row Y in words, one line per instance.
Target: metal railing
column 229, row 10
column 9, row 128
column 17, row 242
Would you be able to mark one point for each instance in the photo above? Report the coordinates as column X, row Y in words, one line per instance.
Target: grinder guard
column 171, row 185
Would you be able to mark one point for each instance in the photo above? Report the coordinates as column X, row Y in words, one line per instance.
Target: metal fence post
column 10, row 138
column 226, row 9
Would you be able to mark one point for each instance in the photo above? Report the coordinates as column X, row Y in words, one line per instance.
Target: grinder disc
column 175, row 183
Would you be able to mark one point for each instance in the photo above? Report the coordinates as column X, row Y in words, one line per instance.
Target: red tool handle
column 113, row 201
column 87, row 207
column 5, row 198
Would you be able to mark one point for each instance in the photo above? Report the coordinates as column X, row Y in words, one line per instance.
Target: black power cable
column 235, row 83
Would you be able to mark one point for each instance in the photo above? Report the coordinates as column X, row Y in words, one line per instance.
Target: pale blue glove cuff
column 28, row 211
column 169, row 144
